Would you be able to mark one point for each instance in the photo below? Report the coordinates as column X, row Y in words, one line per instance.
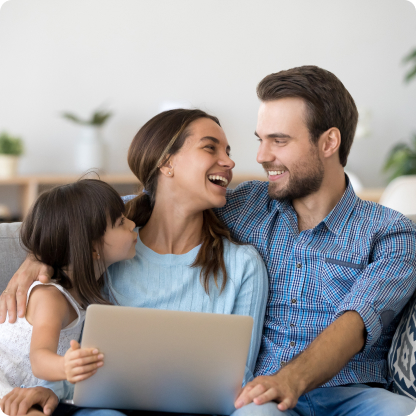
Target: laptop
column 169, row 361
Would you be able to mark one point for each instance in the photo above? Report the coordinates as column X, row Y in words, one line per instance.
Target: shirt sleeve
column 387, row 283
column 251, row 300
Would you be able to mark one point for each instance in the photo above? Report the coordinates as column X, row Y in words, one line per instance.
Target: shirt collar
column 338, row 217
column 274, row 204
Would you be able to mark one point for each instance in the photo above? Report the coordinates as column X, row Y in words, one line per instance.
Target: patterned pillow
column 402, row 354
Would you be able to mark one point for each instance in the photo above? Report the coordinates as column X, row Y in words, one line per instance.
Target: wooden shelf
column 371, row 194
column 30, row 185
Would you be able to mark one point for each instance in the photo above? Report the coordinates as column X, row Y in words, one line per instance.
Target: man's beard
column 304, row 179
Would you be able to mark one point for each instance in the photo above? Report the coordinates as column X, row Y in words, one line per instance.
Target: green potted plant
column 97, row 119
column 10, row 149
column 401, row 159
column 90, row 151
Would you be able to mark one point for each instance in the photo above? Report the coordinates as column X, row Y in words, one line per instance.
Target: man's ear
column 331, row 142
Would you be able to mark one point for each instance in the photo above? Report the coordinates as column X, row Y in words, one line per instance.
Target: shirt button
column 292, row 325
column 299, row 265
column 293, row 301
column 282, row 363
column 292, row 343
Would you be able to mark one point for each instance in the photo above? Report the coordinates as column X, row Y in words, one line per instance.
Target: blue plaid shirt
column 361, row 257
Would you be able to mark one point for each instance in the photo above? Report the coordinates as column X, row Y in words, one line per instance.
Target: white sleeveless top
column 15, row 367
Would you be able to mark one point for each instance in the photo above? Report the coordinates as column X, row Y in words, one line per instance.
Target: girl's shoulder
column 47, row 298
column 38, row 289
column 52, row 297
column 51, row 289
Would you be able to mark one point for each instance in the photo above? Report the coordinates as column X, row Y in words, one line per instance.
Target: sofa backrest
column 12, row 253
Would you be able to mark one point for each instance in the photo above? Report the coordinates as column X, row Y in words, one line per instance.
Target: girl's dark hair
column 61, row 228
column 160, row 138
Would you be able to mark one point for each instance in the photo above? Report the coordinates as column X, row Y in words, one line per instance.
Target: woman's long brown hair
column 160, row 138
column 62, row 227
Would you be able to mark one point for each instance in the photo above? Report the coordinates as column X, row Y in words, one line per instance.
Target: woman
column 185, row 257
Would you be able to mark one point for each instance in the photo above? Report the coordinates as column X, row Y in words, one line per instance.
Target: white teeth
column 275, row 172
column 218, row 178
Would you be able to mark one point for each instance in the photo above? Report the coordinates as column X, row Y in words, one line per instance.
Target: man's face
column 290, row 159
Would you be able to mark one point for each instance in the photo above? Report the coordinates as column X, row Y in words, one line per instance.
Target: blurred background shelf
column 31, row 186
column 371, row 194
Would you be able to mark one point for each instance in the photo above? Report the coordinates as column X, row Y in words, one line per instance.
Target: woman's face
column 202, row 168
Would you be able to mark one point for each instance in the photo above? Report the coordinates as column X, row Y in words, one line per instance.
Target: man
column 340, row 269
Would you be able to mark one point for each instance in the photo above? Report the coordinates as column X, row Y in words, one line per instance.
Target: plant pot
column 90, row 150
column 8, row 166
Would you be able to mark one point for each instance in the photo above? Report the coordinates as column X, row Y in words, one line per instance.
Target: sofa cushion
column 12, row 253
column 402, row 354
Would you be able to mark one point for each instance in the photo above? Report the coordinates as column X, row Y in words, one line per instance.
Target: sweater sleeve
column 251, row 300
column 62, row 389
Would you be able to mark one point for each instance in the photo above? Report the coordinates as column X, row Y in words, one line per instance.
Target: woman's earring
column 98, row 255
column 170, row 173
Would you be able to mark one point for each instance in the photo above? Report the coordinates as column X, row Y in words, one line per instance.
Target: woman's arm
column 251, row 300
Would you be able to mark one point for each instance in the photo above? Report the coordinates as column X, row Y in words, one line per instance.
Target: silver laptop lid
column 162, row 360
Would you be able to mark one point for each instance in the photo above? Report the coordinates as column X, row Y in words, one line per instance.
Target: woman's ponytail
column 139, row 209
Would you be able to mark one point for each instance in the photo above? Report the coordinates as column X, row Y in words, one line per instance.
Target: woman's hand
column 20, row 400
column 16, row 291
column 81, row 363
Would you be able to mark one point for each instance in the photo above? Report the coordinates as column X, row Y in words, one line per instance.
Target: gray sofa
column 12, row 253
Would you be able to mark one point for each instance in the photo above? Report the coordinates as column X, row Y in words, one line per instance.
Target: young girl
column 78, row 230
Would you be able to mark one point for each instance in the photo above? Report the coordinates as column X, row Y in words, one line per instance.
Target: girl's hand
column 81, row 363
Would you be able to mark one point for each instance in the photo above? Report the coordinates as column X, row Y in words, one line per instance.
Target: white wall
column 132, row 54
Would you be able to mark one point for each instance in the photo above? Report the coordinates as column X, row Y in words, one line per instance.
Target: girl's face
column 202, row 168
column 119, row 241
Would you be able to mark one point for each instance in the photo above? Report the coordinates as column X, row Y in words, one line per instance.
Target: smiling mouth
column 218, row 180
column 275, row 172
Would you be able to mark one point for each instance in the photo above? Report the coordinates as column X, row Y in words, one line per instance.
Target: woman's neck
column 172, row 229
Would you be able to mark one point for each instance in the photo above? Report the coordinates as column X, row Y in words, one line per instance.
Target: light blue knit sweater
column 166, row 281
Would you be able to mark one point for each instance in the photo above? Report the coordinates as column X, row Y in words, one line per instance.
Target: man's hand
column 81, row 363
column 16, row 291
column 328, row 353
column 19, row 401
column 264, row 389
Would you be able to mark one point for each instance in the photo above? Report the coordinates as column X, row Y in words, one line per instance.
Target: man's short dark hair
column 328, row 102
